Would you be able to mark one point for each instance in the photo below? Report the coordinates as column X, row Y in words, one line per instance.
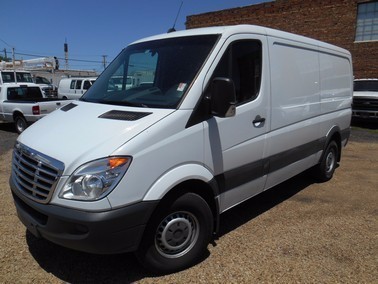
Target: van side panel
column 295, row 82
column 311, row 94
column 64, row 88
column 336, row 82
column 294, row 140
column 336, row 92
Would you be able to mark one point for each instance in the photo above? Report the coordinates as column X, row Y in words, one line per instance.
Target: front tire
column 177, row 236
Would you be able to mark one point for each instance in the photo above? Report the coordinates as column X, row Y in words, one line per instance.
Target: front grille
column 34, row 173
column 365, row 104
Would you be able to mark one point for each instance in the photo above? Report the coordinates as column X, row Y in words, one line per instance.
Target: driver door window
column 242, row 63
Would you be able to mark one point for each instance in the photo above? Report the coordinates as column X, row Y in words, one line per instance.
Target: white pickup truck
column 365, row 100
column 24, row 104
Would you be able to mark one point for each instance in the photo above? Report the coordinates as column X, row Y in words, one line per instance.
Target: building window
column 367, row 21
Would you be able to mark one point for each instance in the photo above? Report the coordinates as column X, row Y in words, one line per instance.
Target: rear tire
column 328, row 164
column 177, row 236
column 20, row 123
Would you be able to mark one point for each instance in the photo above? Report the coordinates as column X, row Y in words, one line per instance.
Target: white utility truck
column 230, row 112
column 15, row 76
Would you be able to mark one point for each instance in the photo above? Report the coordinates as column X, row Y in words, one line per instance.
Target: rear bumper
column 33, row 118
column 115, row 231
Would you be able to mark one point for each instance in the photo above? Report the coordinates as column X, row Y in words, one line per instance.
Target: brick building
column 351, row 24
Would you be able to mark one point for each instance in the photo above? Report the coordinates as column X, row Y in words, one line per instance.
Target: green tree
column 2, row 58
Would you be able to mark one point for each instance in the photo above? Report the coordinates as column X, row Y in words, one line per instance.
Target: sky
column 92, row 29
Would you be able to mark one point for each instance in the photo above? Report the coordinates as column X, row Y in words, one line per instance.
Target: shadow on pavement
column 252, row 208
column 8, row 127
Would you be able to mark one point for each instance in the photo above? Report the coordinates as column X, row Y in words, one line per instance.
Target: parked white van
column 74, row 88
column 230, row 112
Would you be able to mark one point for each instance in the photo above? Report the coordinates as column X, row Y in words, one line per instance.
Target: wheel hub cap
column 176, row 234
column 330, row 161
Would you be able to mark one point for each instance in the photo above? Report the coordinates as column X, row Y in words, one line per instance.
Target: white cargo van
column 74, row 88
column 228, row 113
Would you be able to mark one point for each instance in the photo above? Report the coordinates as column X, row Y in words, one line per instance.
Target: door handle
column 258, row 121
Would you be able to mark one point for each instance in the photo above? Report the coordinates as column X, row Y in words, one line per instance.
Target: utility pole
column 104, row 60
column 13, row 59
column 66, row 53
column 5, row 55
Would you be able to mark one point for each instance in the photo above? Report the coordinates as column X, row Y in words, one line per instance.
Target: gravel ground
column 300, row 231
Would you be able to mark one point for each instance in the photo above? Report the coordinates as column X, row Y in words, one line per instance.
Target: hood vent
column 124, row 115
column 68, row 107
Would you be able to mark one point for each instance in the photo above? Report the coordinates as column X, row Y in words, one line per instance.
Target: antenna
column 174, row 23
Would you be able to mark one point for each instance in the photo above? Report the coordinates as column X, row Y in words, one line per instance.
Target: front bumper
column 115, row 231
column 365, row 114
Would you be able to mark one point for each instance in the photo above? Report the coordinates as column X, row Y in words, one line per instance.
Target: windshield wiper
column 122, row 103
column 86, row 100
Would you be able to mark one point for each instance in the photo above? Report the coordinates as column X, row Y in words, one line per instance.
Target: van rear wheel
column 328, row 164
column 178, row 235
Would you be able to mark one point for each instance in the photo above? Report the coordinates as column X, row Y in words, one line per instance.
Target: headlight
column 94, row 180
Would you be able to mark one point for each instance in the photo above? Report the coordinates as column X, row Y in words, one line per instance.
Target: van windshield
column 152, row 74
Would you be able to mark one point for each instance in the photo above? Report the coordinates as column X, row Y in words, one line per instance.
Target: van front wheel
column 178, row 236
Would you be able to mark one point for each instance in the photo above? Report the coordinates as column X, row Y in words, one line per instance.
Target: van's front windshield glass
column 152, row 74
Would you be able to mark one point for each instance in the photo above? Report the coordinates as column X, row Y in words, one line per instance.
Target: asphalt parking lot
column 297, row 232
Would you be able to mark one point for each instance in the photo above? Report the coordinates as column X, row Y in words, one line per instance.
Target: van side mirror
column 223, row 97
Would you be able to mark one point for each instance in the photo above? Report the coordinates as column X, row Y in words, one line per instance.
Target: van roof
column 227, row 31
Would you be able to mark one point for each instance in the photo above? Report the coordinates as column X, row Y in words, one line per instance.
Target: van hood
column 81, row 132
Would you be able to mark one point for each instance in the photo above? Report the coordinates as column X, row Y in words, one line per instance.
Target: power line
column 5, row 42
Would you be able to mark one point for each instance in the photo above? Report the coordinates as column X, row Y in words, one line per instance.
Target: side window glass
column 8, row 77
column 87, row 85
column 23, row 93
column 12, row 94
column 78, row 84
column 72, row 86
column 242, row 63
